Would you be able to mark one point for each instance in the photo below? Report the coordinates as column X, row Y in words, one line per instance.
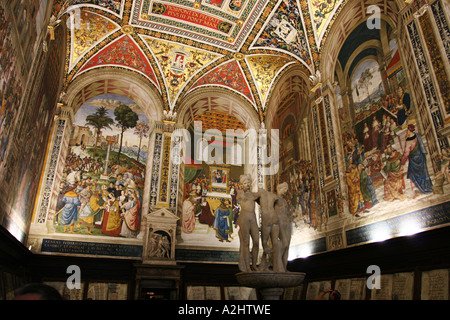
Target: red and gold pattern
column 122, row 52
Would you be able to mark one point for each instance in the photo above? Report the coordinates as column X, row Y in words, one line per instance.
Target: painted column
column 336, row 147
column 157, row 141
column 328, row 146
column 45, row 210
column 175, row 168
column 440, row 18
column 427, row 108
column 166, row 166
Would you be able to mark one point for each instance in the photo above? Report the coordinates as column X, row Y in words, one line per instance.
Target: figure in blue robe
column 70, row 211
column 417, row 168
column 222, row 223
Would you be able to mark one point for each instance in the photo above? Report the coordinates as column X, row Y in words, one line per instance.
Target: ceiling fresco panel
column 124, row 52
column 92, row 28
column 284, row 31
column 181, row 45
column 264, row 69
column 224, row 26
column 178, row 63
column 322, row 11
column 229, row 75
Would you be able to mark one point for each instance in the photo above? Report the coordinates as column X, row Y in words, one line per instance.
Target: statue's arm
column 256, row 195
column 241, row 195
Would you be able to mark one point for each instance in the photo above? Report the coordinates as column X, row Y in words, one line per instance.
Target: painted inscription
column 191, row 16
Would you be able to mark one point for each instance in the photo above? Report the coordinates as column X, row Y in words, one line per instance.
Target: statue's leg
column 255, row 245
column 244, row 254
column 265, row 234
column 276, row 249
column 285, row 237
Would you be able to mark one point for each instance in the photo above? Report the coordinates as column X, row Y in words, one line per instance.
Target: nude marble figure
column 248, row 226
column 275, row 228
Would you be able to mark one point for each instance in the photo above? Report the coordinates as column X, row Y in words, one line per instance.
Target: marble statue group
column 275, row 228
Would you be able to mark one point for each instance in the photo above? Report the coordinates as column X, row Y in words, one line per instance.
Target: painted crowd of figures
column 302, row 195
column 112, row 206
column 378, row 155
column 385, row 167
column 383, row 151
column 197, row 208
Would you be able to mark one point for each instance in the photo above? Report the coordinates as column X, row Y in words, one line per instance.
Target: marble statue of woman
column 270, row 229
column 281, row 208
column 248, row 226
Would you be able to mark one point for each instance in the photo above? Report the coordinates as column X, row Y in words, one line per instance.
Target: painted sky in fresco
column 110, row 102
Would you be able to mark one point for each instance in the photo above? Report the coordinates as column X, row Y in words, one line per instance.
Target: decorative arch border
column 274, row 98
column 141, row 90
column 343, row 26
column 248, row 116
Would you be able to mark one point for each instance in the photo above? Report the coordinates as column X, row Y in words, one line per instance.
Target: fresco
column 210, row 210
column 303, row 196
column 264, row 69
column 191, row 16
column 92, row 28
column 23, row 124
column 222, row 24
column 386, row 162
column 285, row 31
column 388, row 174
column 122, row 52
column 321, row 12
column 103, row 180
column 392, row 189
column 229, row 75
column 379, row 146
column 178, row 63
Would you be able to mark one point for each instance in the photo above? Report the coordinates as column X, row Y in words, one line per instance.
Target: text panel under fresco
column 438, row 215
column 91, row 248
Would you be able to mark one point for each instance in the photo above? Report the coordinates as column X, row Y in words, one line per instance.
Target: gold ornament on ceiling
column 127, row 29
column 239, row 56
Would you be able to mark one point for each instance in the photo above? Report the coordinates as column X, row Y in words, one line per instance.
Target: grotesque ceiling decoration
column 182, row 45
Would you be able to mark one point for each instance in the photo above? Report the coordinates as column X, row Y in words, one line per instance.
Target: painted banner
column 191, row 16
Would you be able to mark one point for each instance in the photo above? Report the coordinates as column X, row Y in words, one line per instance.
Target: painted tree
column 141, row 130
column 125, row 119
column 365, row 81
column 99, row 120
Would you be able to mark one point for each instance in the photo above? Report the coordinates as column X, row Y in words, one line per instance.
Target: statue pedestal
column 271, row 285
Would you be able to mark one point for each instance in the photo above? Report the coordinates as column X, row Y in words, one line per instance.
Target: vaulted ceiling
column 179, row 46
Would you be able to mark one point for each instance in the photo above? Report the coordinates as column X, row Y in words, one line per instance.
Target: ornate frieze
column 46, row 196
column 154, row 185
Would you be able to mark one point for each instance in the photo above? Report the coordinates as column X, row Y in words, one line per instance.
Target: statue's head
column 246, row 181
column 282, row 188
